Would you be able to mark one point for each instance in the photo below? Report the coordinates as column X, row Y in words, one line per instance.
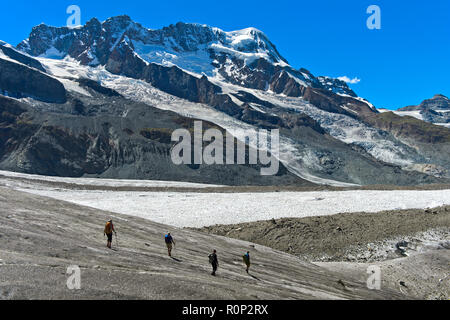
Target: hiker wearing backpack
column 214, row 262
column 246, row 259
column 169, row 242
column 109, row 229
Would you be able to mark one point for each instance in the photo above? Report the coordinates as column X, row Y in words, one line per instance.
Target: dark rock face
column 336, row 86
column 286, row 84
column 14, row 129
column 434, row 110
column 188, row 37
column 409, row 128
column 55, row 151
column 15, row 55
column 20, row 81
column 97, row 87
column 438, row 102
column 27, row 78
column 325, row 100
column 260, row 74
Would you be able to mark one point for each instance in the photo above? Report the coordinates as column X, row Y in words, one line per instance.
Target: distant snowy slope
column 182, row 209
column 435, row 110
column 106, row 182
column 415, row 114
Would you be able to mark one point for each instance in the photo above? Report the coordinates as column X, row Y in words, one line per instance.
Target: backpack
column 168, row 239
column 211, row 259
column 108, row 228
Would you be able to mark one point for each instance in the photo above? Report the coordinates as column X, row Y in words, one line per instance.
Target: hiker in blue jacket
column 246, row 259
column 169, row 242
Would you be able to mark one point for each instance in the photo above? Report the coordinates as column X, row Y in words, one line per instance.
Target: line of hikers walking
column 170, row 243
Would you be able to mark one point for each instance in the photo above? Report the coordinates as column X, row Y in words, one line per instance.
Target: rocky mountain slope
column 435, row 110
column 100, row 133
column 235, row 80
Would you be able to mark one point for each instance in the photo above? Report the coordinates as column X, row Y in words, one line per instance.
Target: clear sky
column 403, row 63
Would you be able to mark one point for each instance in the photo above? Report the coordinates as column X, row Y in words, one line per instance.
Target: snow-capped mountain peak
column 435, row 110
column 244, row 57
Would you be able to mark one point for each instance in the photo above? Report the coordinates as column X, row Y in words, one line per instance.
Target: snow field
column 205, row 209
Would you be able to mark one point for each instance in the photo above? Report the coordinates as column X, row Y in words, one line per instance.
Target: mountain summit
column 439, row 102
column 435, row 110
column 244, row 57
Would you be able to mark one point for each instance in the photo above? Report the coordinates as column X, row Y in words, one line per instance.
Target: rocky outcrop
column 19, row 57
column 428, row 139
column 332, row 102
column 438, row 102
column 434, row 110
column 97, row 87
column 14, row 128
column 409, row 128
column 324, row 98
column 17, row 80
column 336, row 86
column 285, row 83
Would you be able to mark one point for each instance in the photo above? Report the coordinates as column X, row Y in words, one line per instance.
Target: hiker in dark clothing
column 214, row 262
column 169, row 243
column 246, row 259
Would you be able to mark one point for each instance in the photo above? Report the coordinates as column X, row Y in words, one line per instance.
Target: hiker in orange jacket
column 109, row 229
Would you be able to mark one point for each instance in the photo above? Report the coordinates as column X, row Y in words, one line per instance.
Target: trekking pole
column 117, row 239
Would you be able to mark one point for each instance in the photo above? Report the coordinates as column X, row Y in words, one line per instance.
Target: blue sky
column 404, row 63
